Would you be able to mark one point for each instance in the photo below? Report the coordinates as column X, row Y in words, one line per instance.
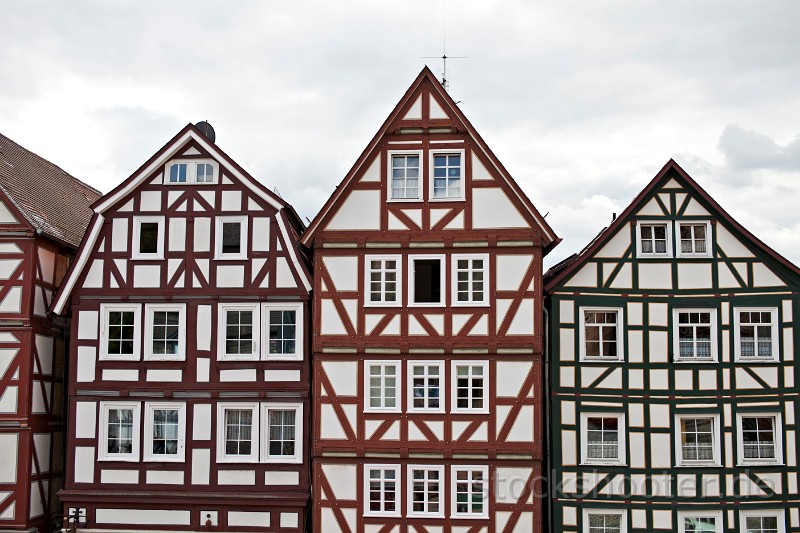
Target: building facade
column 43, row 214
column 427, row 346
column 189, row 373
column 673, row 375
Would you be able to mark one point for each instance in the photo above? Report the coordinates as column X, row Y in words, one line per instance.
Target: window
column 119, row 431
column 283, row 331
column 654, row 240
column 694, row 239
column 601, row 334
column 237, row 433
column 405, row 173
column 231, row 238
column 165, row 434
column 604, row 521
column 183, row 172
column 425, row 384
column 148, row 238
column 447, row 175
column 425, row 491
column 282, row 442
column 120, row 331
column 383, row 386
column 760, row 439
column 165, row 332
column 239, row 331
column 756, row 334
column 470, row 276
column 603, row 438
column 698, row 442
column 695, row 334
column 470, row 393
column 381, row 488
column 470, row 491
column 427, row 280
column 762, row 521
column 699, row 522
column 383, row 285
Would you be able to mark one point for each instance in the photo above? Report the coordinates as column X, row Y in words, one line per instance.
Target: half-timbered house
column 43, row 214
column 673, row 372
column 427, row 350
column 189, row 374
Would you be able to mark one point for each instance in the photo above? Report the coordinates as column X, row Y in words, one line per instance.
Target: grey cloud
column 746, row 150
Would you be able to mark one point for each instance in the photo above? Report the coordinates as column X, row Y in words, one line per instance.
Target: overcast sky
column 583, row 102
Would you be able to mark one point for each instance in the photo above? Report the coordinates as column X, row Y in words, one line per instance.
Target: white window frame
column 102, row 444
column 398, row 502
column 737, row 336
column 137, row 229
column 299, row 331
column 777, row 431
column 410, row 387
column 620, row 334
column 622, row 439
column 420, row 178
column 644, row 255
column 463, row 166
column 772, row 513
column 222, row 319
column 623, row 523
column 191, row 171
column 454, row 387
column 243, row 234
column 410, row 490
column 454, row 280
column 398, row 280
column 678, row 249
column 716, row 445
column 717, row 515
column 297, row 458
column 454, row 496
column 149, row 456
column 398, row 389
column 442, row 280
column 676, row 345
column 255, row 447
column 105, row 309
column 149, row 309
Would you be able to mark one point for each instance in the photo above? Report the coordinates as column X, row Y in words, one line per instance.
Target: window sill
column 122, row 358
column 761, row 463
column 699, row 465
column 469, row 517
column 231, row 258
column 153, row 257
column 403, row 200
column 118, row 459
column 281, row 357
column 750, row 361
column 598, row 360
column 615, row 464
column 174, row 359
column 696, row 361
column 380, row 305
column 444, row 200
column 463, row 412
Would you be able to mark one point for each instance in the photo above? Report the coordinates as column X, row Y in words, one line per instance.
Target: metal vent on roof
column 206, row 129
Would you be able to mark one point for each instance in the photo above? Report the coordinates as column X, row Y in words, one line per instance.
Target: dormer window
column 191, row 172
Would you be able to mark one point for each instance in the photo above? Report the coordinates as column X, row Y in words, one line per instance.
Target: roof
column 549, row 236
column 560, row 271
column 52, row 201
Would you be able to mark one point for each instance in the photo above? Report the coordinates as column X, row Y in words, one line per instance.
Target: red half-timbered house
column 189, row 375
column 427, row 339
column 43, row 214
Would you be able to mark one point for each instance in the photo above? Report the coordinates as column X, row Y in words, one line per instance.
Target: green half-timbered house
column 672, row 373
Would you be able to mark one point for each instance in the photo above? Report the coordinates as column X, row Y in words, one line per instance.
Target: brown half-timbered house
column 427, row 339
column 43, row 214
column 189, row 372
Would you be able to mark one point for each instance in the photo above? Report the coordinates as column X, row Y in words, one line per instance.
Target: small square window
column 383, row 282
column 448, row 172
column 700, row 522
column 604, row 521
column 238, row 331
column 283, row 331
column 205, row 173
column 427, row 280
column 469, row 489
column 148, row 238
column 695, row 335
column 694, row 239
column 601, row 334
column 383, row 385
column 283, row 434
column 760, row 439
column 178, row 172
column 165, row 432
column 762, row 521
column 603, row 437
column 382, row 490
column 756, row 334
column 698, row 440
column 654, row 239
column 425, row 485
column 425, row 384
column 165, row 337
column 471, row 387
column 404, row 174
column 119, row 431
column 470, row 280
column 231, row 238
column 120, row 331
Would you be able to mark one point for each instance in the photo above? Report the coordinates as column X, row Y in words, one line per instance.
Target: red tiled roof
column 54, row 202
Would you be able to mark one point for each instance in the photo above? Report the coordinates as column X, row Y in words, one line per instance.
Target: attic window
column 447, row 169
column 654, row 239
column 187, row 172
